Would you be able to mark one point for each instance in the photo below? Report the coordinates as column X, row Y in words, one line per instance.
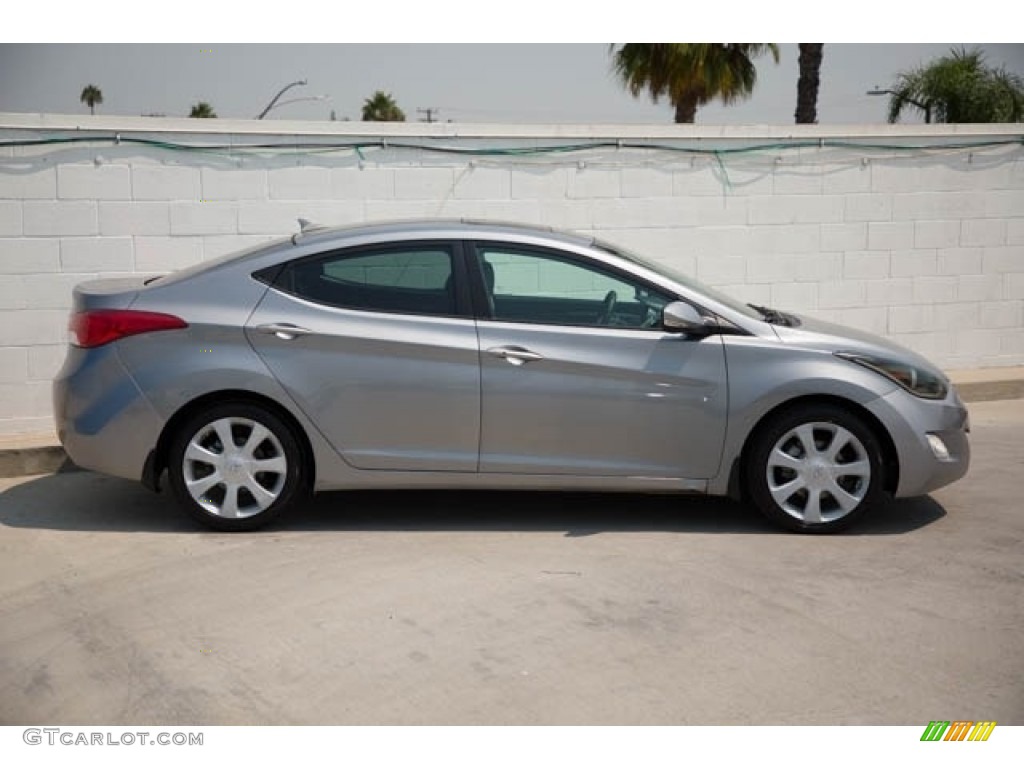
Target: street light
column 321, row 97
column 280, row 93
column 927, row 108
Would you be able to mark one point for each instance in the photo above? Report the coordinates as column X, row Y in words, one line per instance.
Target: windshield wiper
column 774, row 316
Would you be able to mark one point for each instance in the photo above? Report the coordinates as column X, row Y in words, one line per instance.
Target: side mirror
column 680, row 317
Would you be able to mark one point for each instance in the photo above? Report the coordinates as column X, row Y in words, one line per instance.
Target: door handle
column 515, row 355
column 285, row 331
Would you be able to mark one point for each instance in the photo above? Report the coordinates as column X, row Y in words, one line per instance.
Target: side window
column 534, row 287
column 411, row 280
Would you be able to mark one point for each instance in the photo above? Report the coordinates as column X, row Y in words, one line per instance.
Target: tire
column 814, row 468
column 223, row 488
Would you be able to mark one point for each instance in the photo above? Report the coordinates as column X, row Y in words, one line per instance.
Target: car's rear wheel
column 814, row 468
column 236, row 466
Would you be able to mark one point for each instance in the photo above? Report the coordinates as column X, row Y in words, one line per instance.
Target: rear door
column 378, row 348
column 577, row 376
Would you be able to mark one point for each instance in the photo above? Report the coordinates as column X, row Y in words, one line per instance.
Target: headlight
column 914, row 379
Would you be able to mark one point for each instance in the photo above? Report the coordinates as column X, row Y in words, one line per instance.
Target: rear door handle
column 285, row 331
column 515, row 355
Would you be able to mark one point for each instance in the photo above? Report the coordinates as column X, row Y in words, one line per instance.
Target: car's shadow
column 84, row 501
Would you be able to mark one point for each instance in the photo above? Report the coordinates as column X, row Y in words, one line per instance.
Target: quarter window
column 414, row 280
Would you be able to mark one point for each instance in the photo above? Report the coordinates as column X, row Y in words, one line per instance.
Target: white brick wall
column 983, row 232
column 936, row 234
column 868, row 207
column 478, row 183
column 927, row 249
column 13, row 365
column 233, row 184
column 424, row 184
column 909, row 263
column 959, row 261
column 165, row 182
column 134, row 218
column 589, row 182
column 844, row 237
column 362, row 183
column 1015, row 231
column 890, row 235
column 845, row 179
column 96, row 254
column 28, row 256
column 865, row 265
column 160, row 254
column 646, row 182
column 540, row 183
column 94, row 182
column 204, row 218
column 799, row 297
column 26, row 184
column 10, row 218
column 300, row 183
column 48, row 218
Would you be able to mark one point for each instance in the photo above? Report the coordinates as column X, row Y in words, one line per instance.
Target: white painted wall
column 923, row 246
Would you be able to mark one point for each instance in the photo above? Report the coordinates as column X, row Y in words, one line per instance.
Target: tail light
column 102, row 326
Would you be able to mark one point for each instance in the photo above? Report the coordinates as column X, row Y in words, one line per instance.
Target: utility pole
column 430, row 112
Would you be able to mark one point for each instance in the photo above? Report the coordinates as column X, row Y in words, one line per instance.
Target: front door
column 577, row 376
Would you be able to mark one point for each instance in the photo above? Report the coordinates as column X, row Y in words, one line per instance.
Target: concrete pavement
column 514, row 608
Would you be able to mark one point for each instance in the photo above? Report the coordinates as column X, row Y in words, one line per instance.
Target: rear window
column 412, row 279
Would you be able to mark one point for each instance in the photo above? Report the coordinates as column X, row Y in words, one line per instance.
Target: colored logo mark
column 958, row 730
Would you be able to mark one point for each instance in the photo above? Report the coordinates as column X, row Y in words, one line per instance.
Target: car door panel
column 601, row 401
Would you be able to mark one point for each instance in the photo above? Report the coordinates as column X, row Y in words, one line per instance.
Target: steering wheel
column 607, row 307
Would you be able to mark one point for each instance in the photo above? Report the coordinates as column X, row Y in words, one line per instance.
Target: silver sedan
column 441, row 354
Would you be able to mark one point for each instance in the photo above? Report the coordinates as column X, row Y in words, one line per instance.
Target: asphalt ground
column 525, row 608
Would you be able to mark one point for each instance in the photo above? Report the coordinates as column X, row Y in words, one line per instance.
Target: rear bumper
column 103, row 420
column 910, row 420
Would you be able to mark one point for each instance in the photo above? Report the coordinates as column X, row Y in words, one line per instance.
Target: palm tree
column 807, row 85
column 382, row 108
column 91, row 96
column 691, row 74
column 202, row 109
column 959, row 88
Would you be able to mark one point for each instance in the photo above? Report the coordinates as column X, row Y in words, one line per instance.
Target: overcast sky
column 553, row 83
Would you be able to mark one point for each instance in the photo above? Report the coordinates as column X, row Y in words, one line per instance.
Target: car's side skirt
column 510, row 481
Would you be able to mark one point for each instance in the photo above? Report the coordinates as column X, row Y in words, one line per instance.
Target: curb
column 40, row 460
column 982, row 391
column 48, row 459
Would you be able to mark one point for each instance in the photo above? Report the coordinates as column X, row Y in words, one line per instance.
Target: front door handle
column 285, row 331
column 515, row 355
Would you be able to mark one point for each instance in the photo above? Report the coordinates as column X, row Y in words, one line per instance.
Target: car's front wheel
column 236, row 466
column 814, row 468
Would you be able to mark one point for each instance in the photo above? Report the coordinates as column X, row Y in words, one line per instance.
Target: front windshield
column 682, row 278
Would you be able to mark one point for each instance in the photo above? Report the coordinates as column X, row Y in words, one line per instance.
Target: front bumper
column 910, row 420
column 104, row 421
